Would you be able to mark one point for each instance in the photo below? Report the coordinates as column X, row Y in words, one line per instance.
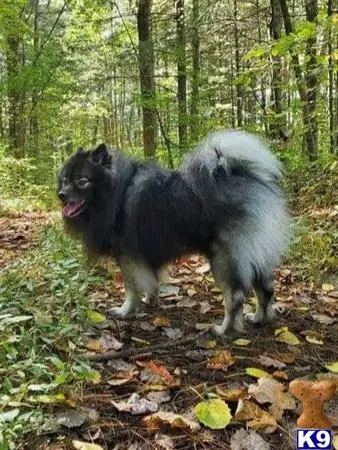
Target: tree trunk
column 34, row 119
column 195, row 72
column 333, row 114
column 309, row 138
column 146, row 67
column 311, row 7
column 278, row 126
column 15, row 99
column 239, row 88
column 181, row 75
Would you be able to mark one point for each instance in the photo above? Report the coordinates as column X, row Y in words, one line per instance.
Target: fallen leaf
column 242, row 342
column 79, row 445
column 205, row 307
column 162, row 372
column 173, row 333
column 164, row 442
column 323, row 319
column 122, row 377
column 105, row 343
column 95, row 316
column 203, row 269
column 280, row 375
column 327, row 287
column 202, row 326
column 256, row 417
column 70, row 418
column 256, row 373
column 287, row 358
column 191, row 292
column 187, row 303
column 10, row 415
column 161, row 321
column 213, row 413
column 146, row 326
column 266, row 361
column 231, row 394
column 48, row 399
column 284, row 335
column 268, row 390
column 248, row 440
column 314, row 340
column 221, row 361
column 154, row 421
column 136, row 405
column 332, row 367
column 158, row 396
column 168, row 290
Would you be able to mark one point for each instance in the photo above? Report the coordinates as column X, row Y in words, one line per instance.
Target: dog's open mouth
column 73, row 209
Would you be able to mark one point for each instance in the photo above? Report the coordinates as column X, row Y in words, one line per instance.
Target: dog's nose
column 62, row 195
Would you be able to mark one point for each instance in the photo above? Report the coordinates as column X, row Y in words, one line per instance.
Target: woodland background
column 153, row 77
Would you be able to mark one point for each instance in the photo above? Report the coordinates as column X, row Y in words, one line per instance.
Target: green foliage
column 44, row 307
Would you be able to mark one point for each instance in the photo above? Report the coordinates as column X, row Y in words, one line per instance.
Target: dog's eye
column 82, row 182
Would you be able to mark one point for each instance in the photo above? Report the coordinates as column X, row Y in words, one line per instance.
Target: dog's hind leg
column 139, row 279
column 233, row 294
column 264, row 291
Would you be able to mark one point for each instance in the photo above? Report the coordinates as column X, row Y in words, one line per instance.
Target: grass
column 44, row 309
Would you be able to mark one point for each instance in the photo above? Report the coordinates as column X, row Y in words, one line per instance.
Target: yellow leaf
column 96, row 377
column 56, row 398
column 314, row 340
column 284, row 335
column 95, row 316
column 242, row 342
column 78, row 445
column 256, row 373
column 93, row 344
column 213, row 413
column 327, row 287
column 161, row 321
column 332, row 367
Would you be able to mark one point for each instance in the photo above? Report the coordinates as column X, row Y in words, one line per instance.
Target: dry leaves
column 136, row 405
column 268, row 390
column 154, row 421
column 256, row 418
column 221, row 361
column 248, row 440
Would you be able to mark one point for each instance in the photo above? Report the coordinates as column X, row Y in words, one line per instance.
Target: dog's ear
column 101, row 156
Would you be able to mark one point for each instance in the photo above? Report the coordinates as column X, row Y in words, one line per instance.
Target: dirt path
column 18, row 232
column 165, row 359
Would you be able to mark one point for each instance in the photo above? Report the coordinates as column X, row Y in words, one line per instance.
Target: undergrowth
column 44, row 308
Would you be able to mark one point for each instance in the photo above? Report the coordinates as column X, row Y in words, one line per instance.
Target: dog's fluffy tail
column 250, row 214
column 231, row 150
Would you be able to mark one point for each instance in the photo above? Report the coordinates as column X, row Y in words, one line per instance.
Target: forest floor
column 58, row 395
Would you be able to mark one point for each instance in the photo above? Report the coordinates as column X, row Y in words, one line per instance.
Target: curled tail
column 231, row 150
column 236, row 178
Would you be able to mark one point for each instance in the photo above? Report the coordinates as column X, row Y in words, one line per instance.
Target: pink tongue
column 70, row 209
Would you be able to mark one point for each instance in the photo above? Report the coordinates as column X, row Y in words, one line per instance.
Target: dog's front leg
column 129, row 305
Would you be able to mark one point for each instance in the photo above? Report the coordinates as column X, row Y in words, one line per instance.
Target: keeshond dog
column 225, row 202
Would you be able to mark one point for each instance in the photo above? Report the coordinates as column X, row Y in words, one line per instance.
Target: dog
column 225, row 201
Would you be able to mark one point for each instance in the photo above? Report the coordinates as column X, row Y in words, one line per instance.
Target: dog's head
column 79, row 178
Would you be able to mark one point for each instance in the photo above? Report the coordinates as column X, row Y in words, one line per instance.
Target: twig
column 139, row 351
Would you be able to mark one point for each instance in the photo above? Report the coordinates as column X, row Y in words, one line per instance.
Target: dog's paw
column 229, row 332
column 118, row 312
column 261, row 317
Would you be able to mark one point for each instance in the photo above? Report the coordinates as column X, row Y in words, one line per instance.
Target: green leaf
column 242, row 342
column 48, row 399
column 213, row 413
column 95, row 316
column 256, row 373
column 255, row 53
column 8, row 416
column 284, row 335
column 332, row 367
